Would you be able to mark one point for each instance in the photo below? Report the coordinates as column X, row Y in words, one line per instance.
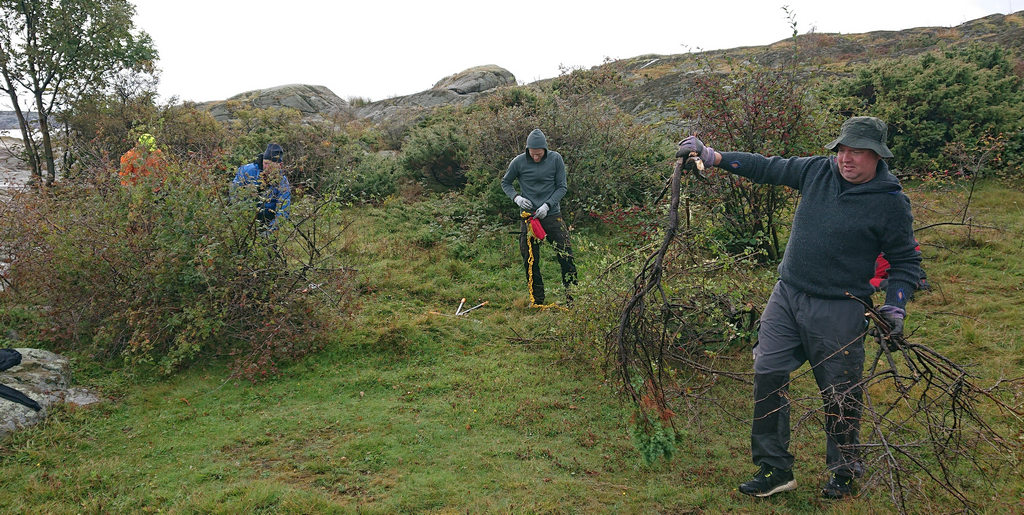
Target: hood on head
column 536, row 139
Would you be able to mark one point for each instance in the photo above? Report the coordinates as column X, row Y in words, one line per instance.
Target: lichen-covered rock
column 44, row 377
column 311, row 101
column 477, row 79
column 462, row 88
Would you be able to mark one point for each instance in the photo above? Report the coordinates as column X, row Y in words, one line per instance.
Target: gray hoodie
column 541, row 183
column 839, row 229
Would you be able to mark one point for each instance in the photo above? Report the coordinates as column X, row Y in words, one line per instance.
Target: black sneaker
column 769, row 481
column 838, row 487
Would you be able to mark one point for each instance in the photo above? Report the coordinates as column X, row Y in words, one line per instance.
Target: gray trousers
column 828, row 333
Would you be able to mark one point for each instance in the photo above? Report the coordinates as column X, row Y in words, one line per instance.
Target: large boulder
column 476, row 80
column 45, row 377
column 311, row 101
column 462, row 88
column 318, row 102
column 14, row 173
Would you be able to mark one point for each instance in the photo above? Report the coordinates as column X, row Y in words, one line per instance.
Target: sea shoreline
column 14, row 174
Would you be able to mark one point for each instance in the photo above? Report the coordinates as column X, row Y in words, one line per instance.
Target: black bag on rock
column 10, row 358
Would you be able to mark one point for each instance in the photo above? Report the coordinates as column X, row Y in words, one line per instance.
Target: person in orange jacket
column 142, row 160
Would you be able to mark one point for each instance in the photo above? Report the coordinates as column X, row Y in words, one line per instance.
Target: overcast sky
column 213, row 49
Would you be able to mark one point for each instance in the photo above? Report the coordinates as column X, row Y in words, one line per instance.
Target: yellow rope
column 529, row 269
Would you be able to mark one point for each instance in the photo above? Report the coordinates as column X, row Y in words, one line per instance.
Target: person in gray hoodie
column 541, row 176
column 851, row 209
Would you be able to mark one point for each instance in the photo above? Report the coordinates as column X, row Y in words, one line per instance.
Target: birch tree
column 54, row 51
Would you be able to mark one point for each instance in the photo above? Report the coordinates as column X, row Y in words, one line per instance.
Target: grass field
column 415, row 410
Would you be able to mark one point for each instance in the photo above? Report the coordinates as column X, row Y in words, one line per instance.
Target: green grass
column 499, row 411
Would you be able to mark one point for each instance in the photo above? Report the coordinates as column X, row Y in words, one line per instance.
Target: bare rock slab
column 45, row 377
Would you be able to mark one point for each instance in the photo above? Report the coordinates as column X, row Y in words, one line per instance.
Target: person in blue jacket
column 851, row 209
column 266, row 175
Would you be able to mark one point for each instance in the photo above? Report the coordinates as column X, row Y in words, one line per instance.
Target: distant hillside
column 657, row 81
column 320, row 102
column 654, row 82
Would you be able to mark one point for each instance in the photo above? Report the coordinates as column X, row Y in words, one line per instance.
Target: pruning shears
column 693, row 164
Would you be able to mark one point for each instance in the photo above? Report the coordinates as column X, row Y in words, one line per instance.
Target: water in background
column 14, row 173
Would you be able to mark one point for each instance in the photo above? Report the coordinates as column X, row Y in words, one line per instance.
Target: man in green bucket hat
column 851, row 208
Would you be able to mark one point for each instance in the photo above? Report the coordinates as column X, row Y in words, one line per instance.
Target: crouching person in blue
column 851, row 209
column 273, row 191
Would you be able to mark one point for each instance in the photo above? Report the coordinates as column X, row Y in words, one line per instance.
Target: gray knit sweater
column 838, row 232
column 543, row 182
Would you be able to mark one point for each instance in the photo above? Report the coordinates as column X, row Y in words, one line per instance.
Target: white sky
column 213, row 49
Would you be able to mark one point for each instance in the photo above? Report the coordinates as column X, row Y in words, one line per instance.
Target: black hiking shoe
column 769, row 481
column 838, row 487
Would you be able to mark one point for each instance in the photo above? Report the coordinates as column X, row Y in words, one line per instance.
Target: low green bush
column 371, row 180
column 942, row 104
column 439, row 151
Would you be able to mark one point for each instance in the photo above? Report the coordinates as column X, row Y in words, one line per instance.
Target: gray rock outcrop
column 14, row 173
column 319, row 102
column 45, row 377
column 311, row 101
column 462, row 88
column 476, row 80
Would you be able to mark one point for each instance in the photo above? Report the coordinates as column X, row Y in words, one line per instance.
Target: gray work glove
column 541, row 212
column 523, row 203
column 692, row 144
column 894, row 317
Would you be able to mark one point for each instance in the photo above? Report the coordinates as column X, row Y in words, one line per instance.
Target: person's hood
column 536, row 139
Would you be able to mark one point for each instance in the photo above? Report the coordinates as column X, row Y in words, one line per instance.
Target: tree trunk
column 30, row 148
column 44, row 128
column 26, row 136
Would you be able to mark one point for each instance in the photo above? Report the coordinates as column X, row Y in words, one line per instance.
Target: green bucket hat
column 863, row 132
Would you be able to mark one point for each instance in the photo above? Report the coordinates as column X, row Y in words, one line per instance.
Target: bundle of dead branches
column 931, row 421
column 635, row 358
